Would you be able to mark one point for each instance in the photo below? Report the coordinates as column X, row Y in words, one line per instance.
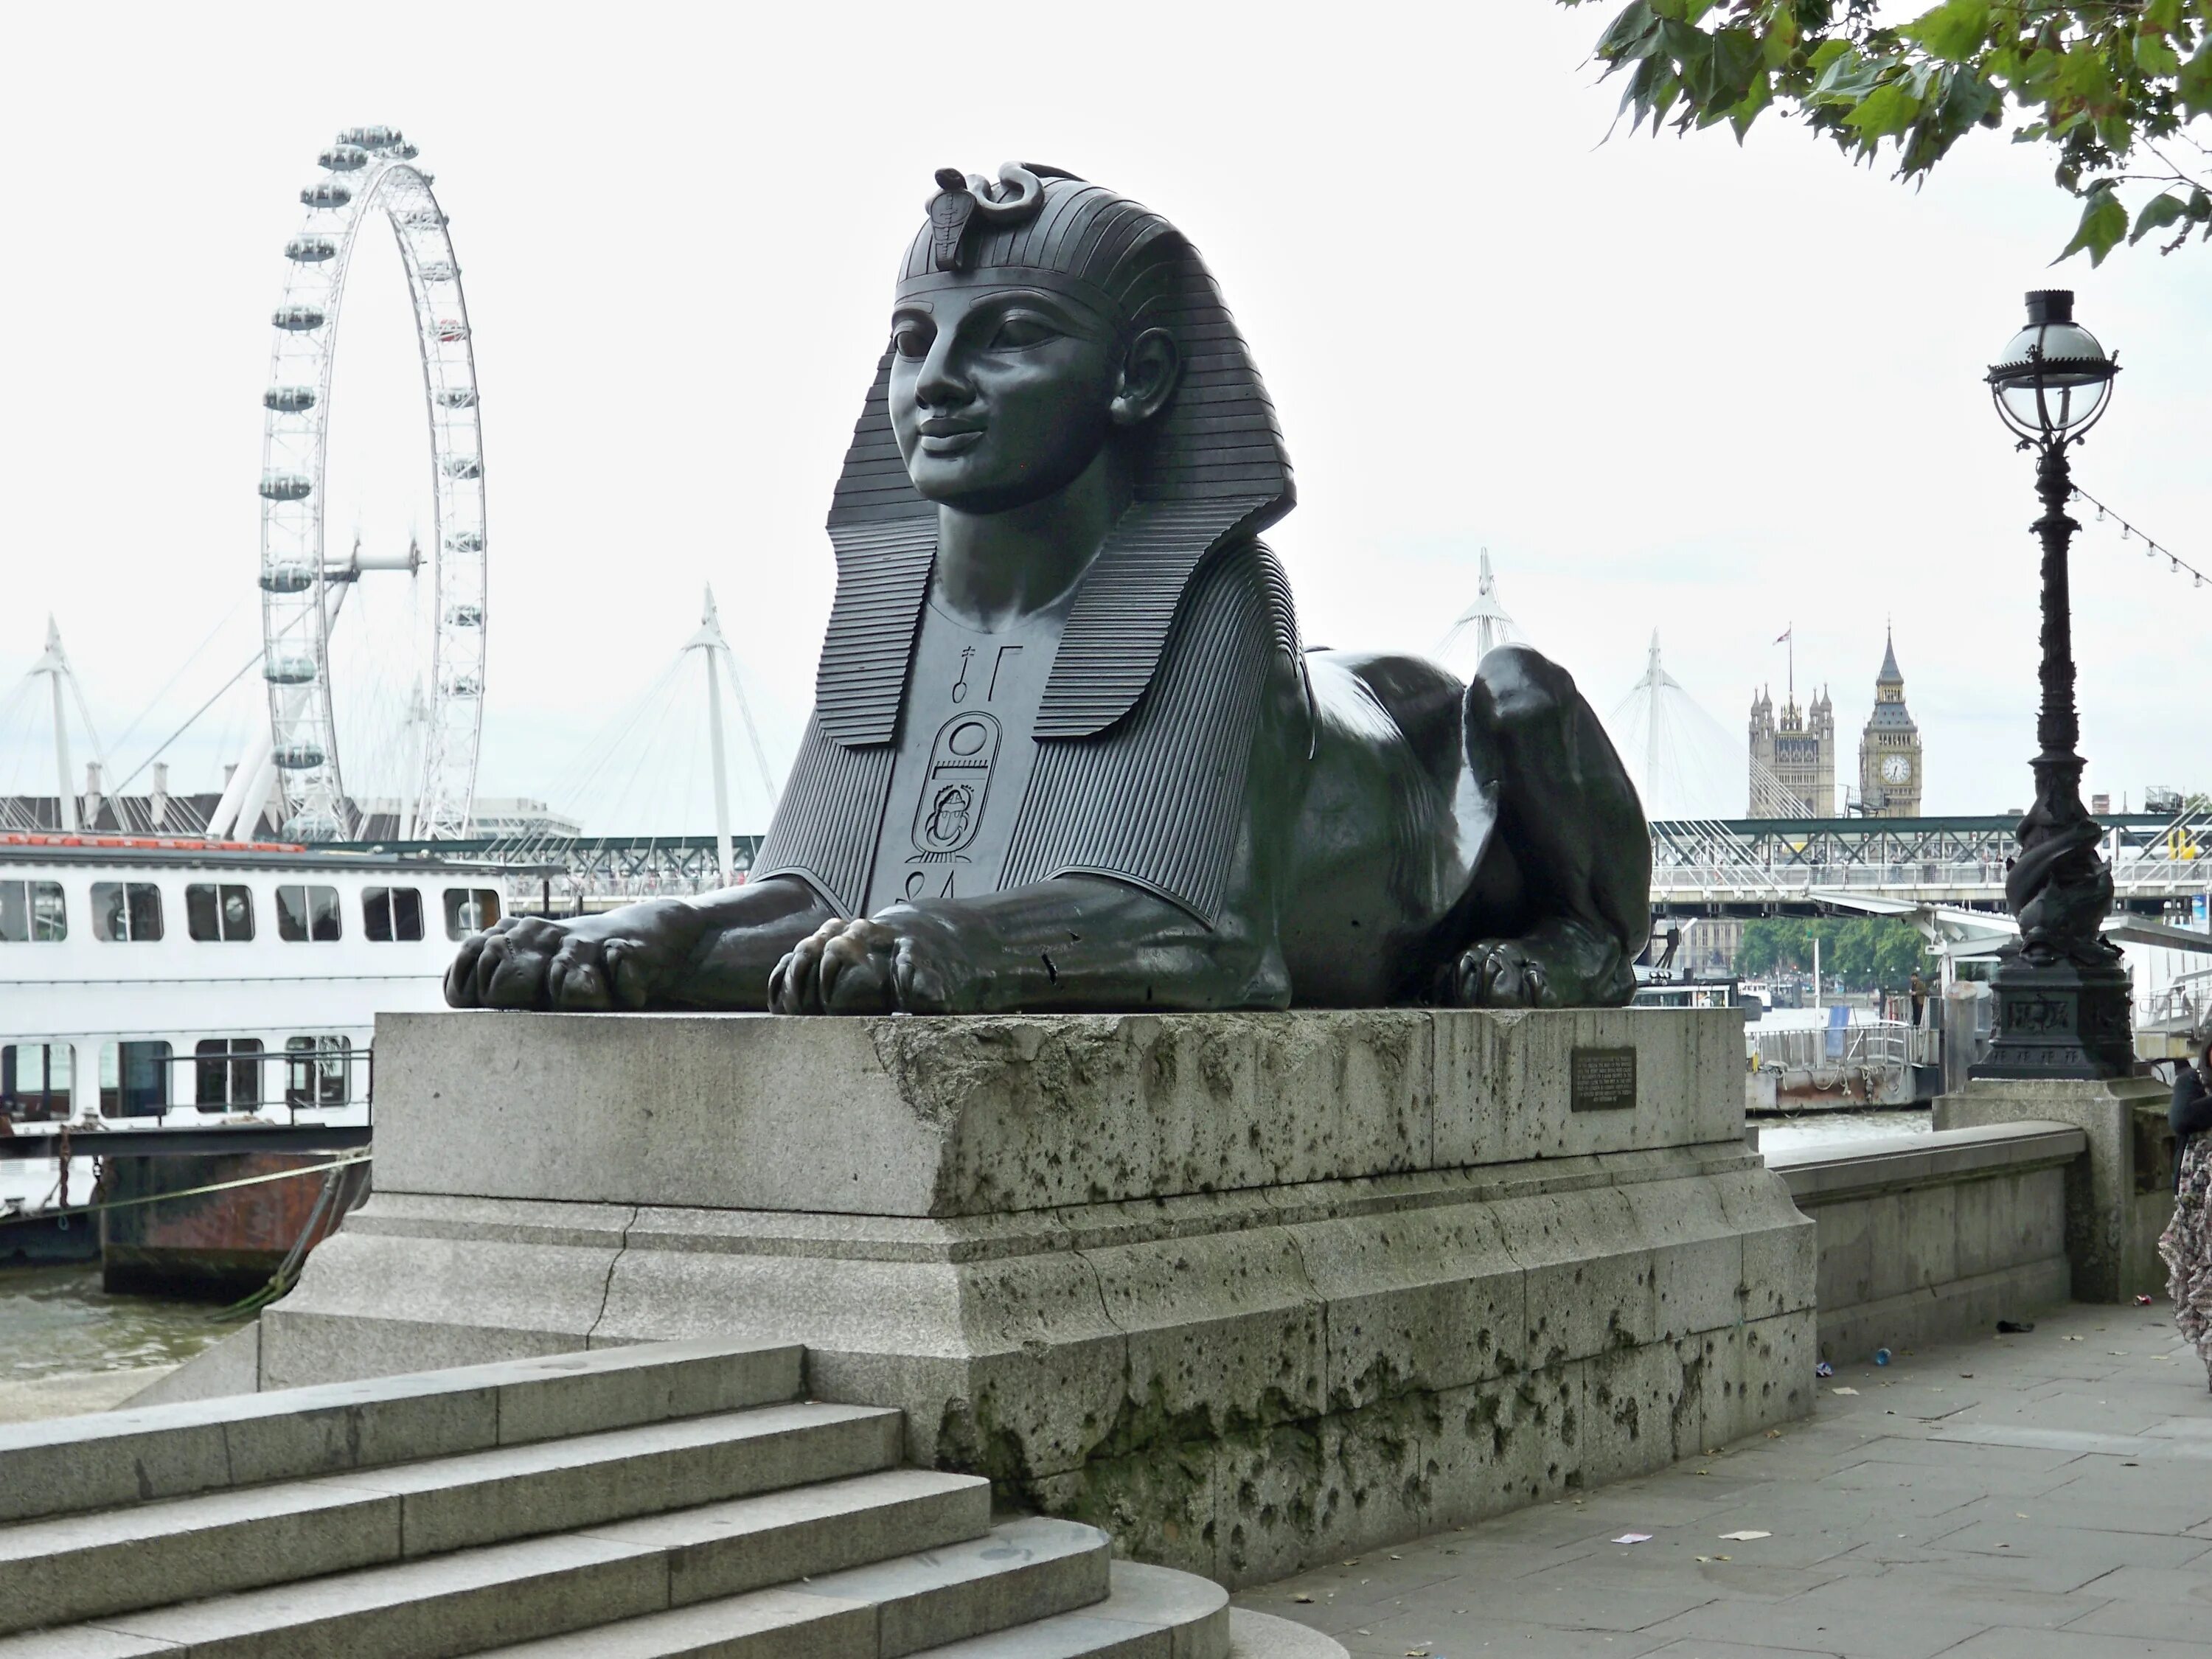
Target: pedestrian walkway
column 2045, row 1496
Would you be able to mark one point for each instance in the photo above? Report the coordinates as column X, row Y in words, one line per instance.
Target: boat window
column 307, row 913
column 134, row 1080
column 224, row 913
column 392, row 912
column 470, row 910
column 228, row 1071
column 126, row 911
column 34, row 1080
column 315, row 1070
column 32, row 912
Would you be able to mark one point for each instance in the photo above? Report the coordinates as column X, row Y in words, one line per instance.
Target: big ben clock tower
column 1889, row 748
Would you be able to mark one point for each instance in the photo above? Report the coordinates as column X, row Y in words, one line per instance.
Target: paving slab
column 2040, row 1496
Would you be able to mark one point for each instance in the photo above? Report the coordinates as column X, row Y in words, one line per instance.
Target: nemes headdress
column 1209, row 467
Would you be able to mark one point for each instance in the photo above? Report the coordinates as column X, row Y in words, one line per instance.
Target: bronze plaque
column 1601, row 1079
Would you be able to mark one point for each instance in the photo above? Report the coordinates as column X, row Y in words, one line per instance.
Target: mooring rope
column 190, row 1191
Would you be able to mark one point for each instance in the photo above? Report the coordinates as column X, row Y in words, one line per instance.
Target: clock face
column 1895, row 768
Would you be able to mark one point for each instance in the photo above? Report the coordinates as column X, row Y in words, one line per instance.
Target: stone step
column 76, row 1567
column 1018, row 1573
column 1149, row 1613
column 64, row 1465
column 1262, row 1636
column 474, row 1600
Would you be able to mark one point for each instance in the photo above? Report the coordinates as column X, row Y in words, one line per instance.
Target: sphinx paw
column 1503, row 973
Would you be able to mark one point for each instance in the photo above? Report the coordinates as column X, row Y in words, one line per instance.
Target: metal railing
column 1883, row 1045
column 248, row 1083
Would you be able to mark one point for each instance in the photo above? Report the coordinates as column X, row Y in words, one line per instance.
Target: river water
column 56, row 1321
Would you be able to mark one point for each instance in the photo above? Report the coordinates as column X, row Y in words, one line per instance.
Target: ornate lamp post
column 2063, row 1000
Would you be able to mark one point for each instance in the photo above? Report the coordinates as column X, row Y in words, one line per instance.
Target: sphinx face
column 1000, row 395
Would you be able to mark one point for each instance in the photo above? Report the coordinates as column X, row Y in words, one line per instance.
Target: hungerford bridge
column 1700, row 866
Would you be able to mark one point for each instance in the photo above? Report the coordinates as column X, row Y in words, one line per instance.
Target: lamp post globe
column 2052, row 380
column 2064, row 1004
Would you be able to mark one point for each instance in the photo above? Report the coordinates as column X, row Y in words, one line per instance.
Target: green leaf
column 2164, row 16
column 1882, row 112
column 2104, row 221
column 1954, row 31
column 2154, row 55
column 2157, row 213
column 2194, row 83
column 1628, row 33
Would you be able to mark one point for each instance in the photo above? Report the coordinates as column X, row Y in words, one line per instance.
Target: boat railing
column 1884, row 1045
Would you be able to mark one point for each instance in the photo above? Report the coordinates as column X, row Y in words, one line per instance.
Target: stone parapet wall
column 1251, row 1290
column 1928, row 1238
column 2119, row 1196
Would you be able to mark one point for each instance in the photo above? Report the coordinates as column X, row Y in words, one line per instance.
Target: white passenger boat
column 155, row 983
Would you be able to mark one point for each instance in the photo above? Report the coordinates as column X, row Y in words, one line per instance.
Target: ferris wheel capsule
column 344, row 158
column 439, row 270
column 289, row 670
column 463, row 466
column 451, row 330
column 313, row 826
column 375, row 138
column 311, row 250
column 456, row 397
column 464, row 616
column 288, row 578
column 298, row 318
column 286, row 486
column 464, row 541
column 299, row 757
column 289, row 400
column 325, row 193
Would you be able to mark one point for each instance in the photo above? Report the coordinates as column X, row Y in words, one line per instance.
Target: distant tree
column 1863, row 953
column 1769, row 944
column 2110, row 86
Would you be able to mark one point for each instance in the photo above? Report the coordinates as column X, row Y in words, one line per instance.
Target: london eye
column 369, row 174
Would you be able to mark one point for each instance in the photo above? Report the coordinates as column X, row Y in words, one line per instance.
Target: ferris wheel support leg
column 258, row 749
column 256, row 798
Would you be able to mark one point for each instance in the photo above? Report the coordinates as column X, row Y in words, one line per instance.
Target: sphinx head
column 1028, row 336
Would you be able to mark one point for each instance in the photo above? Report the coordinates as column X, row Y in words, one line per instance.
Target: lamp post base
column 2061, row 1020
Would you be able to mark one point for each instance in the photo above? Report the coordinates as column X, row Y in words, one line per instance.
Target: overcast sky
column 1668, row 384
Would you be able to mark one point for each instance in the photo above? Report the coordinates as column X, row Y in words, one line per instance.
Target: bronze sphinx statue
column 1066, row 751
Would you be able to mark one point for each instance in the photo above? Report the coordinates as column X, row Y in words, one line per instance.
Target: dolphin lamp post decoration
column 2063, row 1003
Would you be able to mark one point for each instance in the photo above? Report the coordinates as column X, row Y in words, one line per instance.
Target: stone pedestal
column 1251, row 1290
column 2119, row 1197
column 2061, row 1020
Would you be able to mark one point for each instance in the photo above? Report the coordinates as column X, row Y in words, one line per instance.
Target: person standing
column 2186, row 1243
column 1919, row 992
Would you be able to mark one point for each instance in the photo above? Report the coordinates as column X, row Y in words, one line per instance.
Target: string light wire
column 2152, row 548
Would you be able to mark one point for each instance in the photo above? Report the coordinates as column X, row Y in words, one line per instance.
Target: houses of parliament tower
column 1889, row 748
column 1792, row 754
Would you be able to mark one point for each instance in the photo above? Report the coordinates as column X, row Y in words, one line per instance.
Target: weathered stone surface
column 1244, row 1290
column 2119, row 1198
column 971, row 1115
column 1923, row 1238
